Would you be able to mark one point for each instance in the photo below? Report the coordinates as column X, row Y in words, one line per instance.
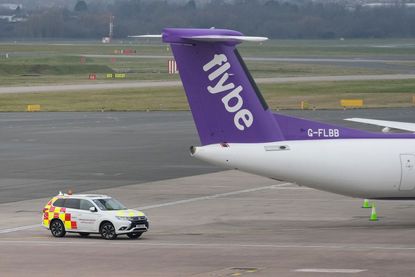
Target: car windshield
column 109, row 204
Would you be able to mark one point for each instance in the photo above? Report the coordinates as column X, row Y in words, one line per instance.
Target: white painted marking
column 71, row 242
column 330, row 270
column 20, row 228
column 202, row 198
column 292, row 188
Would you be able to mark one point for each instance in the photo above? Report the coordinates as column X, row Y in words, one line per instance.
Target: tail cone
column 193, row 150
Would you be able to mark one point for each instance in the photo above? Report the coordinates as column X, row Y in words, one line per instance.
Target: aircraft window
column 59, row 203
column 72, row 203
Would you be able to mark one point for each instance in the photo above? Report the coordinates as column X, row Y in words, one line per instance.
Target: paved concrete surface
column 42, row 153
column 221, row 224
column 152, row 84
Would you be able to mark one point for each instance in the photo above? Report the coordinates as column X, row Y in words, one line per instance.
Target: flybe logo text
column 232, row 99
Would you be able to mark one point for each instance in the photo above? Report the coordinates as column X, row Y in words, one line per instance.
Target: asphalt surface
column 42, row 153
column 221, row 224
column 152, row 84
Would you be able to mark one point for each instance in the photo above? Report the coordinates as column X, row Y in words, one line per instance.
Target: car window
column 85, row 204
column 109, row 204
column 59, row 203
column 72, row 203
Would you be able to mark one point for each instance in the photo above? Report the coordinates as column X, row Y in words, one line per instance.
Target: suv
column 92, row 213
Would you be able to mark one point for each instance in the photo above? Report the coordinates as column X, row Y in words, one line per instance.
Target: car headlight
column 131, row 218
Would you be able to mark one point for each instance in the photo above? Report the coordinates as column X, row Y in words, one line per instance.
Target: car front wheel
column 57, row 228
column 108, row 231
column 134, row 235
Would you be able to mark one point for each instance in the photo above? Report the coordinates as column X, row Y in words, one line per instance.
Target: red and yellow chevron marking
column 50, row 212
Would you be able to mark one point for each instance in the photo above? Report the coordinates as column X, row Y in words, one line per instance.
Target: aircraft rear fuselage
column 366, row 168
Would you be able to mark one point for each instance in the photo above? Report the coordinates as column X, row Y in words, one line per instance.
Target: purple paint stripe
column 294, row 128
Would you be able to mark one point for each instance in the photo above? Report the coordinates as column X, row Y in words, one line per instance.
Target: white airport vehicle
column 238, row 130
column 92, row 214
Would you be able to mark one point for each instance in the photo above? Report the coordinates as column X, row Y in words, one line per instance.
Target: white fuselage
column 365, row 168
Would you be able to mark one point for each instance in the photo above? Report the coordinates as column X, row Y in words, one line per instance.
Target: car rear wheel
column 57, row 228
column 134, row 235
column 84, row 235
column 108, row 231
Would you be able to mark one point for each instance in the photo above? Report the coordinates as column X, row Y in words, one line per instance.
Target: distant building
column 11, row 7
column 12, row 18
column 379, row 5
column 10, row 13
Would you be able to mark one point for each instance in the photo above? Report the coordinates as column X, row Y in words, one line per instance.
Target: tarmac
column 221, row 224
column 204, row 221
column 42, row 153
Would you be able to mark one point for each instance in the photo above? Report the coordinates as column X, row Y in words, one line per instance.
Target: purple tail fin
column 224, row 99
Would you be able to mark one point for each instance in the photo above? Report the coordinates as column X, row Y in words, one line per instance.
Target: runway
column 65, row 88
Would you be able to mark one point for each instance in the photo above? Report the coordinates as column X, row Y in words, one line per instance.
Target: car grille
column 138, row 222
column 138, row 218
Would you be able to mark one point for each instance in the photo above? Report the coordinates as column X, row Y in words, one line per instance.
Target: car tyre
column 134, row 235
column 57, row 228
column 84, row 235
column 107, row 231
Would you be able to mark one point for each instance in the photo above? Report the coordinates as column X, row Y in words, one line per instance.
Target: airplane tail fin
column 223, row 97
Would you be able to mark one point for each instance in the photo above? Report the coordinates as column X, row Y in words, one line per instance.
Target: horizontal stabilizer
column 220, row 38
column 212, row 38
column 226, row 37
column 146, row 36
column 384, row 123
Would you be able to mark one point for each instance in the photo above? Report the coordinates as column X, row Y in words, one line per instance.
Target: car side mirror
column 93, row 209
